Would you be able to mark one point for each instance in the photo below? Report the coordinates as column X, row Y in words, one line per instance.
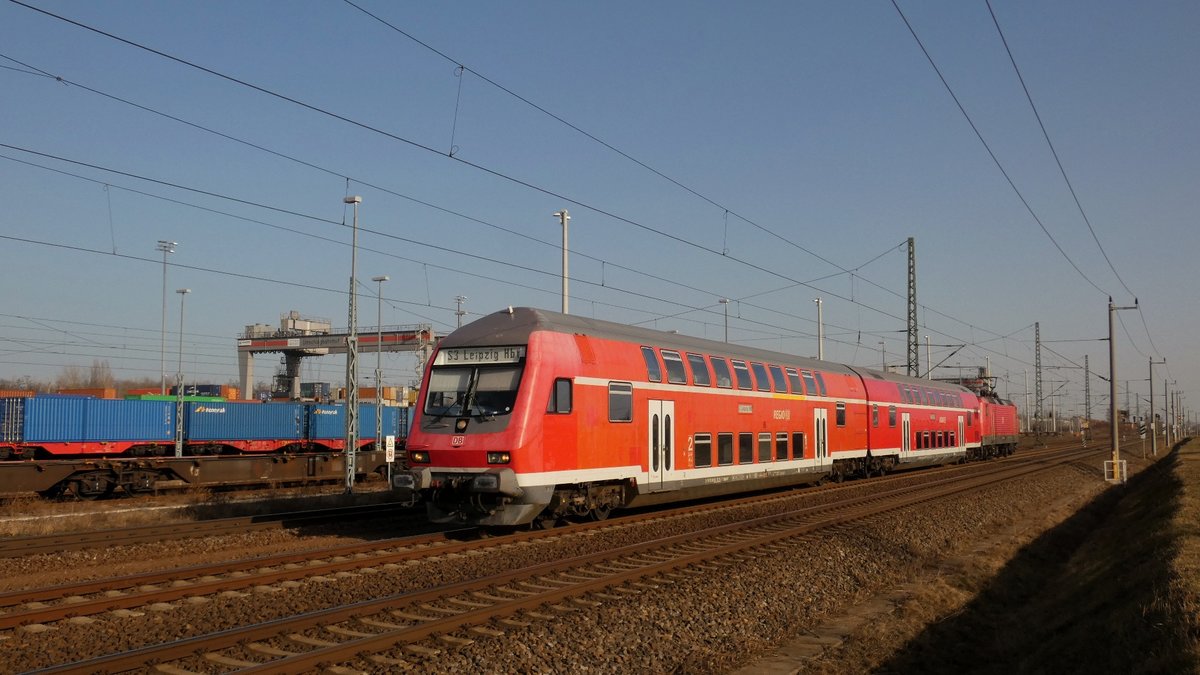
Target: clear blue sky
column 798, row 128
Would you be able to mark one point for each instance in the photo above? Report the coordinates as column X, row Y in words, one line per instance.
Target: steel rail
column 11, row 547
column 139, row 590
column 588, row 574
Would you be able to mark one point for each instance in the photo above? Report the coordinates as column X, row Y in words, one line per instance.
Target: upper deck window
column 653, row 370
column 820, row 382
column 721, row 370
column 809, row 382
column 676, row 374
column 760, row 376
column 700, row 374
column 778, row 379
column 794, row 380
column 742, row 373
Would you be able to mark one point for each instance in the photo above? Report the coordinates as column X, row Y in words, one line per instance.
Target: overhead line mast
column 914, row 366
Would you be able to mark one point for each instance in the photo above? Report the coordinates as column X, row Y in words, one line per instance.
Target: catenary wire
column 474, row 165
column 987, row 147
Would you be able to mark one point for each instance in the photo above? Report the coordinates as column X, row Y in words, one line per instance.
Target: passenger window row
column 725, row 373
column 751, row 448
column 926, row 396
column 935, row 439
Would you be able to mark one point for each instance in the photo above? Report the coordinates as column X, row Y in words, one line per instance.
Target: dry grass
column 1183, row 597
column 1112, row 588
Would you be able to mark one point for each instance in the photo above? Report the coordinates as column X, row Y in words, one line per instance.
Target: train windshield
column 474, row 391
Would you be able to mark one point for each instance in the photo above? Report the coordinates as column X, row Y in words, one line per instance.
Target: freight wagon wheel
column 91, row 486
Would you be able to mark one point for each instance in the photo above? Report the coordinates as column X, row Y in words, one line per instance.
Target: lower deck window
column 745, row 448
column 797, row 445
column 764, row 447
column 620, row 402
column 702, row 446
column 781, row 446
column 725, row 448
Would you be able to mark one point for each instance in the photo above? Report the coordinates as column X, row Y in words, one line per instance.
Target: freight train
column 530, row 417
column 90, row 446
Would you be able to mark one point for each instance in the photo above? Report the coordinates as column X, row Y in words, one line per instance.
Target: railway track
column 485, row 606
column 92, row 597
column 12, row 547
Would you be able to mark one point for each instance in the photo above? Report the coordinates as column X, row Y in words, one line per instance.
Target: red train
column 530, row 416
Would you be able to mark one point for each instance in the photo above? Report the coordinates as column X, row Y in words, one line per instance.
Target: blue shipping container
column 329, row 421
column 121, row 420
column 366, row 421
column 243, row 421
column 50, row 419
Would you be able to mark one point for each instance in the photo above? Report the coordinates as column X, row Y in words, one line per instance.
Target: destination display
column 479, row 355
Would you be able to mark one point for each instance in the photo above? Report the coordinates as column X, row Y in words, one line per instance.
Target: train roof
column 514, row 325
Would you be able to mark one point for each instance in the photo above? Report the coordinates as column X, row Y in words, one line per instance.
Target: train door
column 661, row 442
column 962, row 440
column 821, row 435
column 905, row 434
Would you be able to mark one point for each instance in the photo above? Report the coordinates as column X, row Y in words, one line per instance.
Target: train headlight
column 498, row 458
column 460, row 424
column 488, row 482
column 418, row 457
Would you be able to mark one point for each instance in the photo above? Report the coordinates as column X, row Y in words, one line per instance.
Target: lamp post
column 179, row 379
column 725, row 302
column 379, row 362
column 352, row 357
column 820, row 330
column 565, row 218
column 460, row 313
column 165, row 247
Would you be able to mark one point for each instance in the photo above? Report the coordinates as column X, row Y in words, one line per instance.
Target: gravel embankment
column 710, row 622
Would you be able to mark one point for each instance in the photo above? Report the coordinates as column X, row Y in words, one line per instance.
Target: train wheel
column 544, row 523
column 92, row 487
column 601, row 512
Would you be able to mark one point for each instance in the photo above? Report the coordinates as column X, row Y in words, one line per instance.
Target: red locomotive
column 532, row 416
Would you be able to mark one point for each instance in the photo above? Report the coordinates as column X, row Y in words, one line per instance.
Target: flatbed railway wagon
column 89, row 447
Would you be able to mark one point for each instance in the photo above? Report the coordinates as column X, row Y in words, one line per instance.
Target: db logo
column 457, row 441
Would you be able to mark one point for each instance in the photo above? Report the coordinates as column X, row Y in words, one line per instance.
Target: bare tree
column 71, row 377
column 100, row 375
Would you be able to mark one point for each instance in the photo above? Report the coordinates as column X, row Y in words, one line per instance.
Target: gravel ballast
column 714, row 621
